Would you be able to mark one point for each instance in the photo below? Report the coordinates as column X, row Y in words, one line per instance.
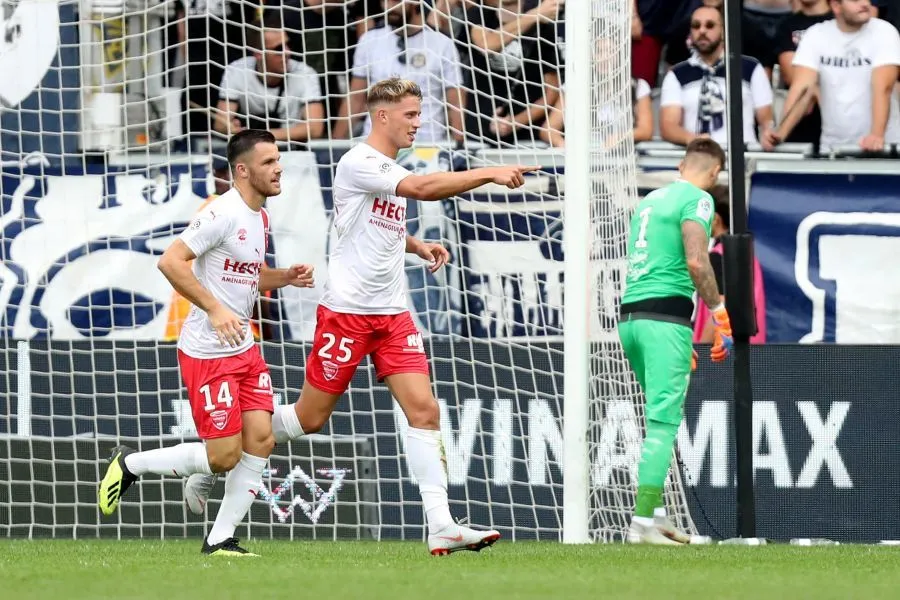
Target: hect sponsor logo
column 242, row 267
column 388, row 210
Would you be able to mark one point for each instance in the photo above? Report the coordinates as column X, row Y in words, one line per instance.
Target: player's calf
column 197, row 489
column 224, row 453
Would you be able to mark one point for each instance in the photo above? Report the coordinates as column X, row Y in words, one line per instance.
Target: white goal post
column 101, row 166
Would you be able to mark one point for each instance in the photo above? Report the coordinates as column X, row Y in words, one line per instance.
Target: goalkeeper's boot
column 454, row 538
column 665, row 527
column 116, row 480
column 639, row 533
column 229, row 548
column 197, row 488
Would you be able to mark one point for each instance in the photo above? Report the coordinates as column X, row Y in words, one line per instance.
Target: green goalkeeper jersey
column 656, row 263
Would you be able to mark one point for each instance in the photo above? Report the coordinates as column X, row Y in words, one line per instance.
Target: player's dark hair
column 719, row 193
column 707, row 148
column 244, row 141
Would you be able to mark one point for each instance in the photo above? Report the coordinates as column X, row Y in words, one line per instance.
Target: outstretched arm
column 438, row 186
column 796, row 106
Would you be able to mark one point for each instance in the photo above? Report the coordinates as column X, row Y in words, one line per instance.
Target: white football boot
column 197, row 488
column 665, row 527
column 648, row 534
column 456, row 537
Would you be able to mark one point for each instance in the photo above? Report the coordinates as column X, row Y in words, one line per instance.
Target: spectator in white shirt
column 268, row 90
column 850, row 64
column 693, row 93
column 405, row 47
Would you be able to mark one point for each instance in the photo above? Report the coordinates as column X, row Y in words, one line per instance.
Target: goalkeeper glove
column 723, row 341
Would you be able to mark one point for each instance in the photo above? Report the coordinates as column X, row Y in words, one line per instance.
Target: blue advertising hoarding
column 827, row 243
column 825, row 450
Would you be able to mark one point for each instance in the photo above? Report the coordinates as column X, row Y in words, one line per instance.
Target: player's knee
column 260, row 446
column 424, row 415
column 222, row 460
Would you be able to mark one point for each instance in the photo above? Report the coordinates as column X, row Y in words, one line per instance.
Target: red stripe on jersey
column 265, row 220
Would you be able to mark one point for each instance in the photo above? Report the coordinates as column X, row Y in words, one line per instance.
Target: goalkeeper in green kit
column 668, row 258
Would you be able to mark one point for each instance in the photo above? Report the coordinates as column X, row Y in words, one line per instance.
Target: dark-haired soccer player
column 668, row 258
column 227, row 380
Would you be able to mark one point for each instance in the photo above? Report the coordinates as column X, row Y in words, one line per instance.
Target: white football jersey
column 366, row 263
column 844, row 62
column 428, row 58
column 229, row 240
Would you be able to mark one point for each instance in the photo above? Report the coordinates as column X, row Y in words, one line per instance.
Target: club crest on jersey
column 219, row 419
column 329, row 370
column 418, row 60
column 242, row 235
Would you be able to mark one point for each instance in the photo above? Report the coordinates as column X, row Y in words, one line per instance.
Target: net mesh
column 114, row 119
column 616, row 418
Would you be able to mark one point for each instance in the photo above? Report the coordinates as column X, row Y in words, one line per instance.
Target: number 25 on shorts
column 344, row 354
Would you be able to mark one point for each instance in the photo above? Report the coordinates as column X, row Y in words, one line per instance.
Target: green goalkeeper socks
column 655, row 458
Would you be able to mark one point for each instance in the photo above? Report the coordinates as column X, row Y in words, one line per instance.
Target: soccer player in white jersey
column 364, row 309
column 227, row 380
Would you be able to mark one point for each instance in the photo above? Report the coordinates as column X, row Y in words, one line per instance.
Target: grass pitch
column 403, row 570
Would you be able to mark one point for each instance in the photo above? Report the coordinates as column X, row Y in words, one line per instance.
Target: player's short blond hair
column 391, row 91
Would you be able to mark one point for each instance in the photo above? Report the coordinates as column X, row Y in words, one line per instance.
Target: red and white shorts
column 342, row 340
column 220, row 389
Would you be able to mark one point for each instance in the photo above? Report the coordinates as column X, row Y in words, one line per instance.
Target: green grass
column 68, row 570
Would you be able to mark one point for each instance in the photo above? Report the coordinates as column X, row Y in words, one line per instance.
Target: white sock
column 424, row 453
column 285, row 424
column 181, row 460
column 241, row 486
column 645, row 521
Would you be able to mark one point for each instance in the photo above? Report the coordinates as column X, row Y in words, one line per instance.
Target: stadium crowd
column 493, row 70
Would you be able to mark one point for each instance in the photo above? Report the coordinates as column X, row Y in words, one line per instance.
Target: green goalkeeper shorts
column 659, row 353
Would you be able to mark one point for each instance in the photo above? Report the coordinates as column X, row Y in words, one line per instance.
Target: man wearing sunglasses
column 694, row 91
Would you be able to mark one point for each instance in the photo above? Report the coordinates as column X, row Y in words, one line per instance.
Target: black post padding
column 739, row 274
column 739, row 284
column 743, row 440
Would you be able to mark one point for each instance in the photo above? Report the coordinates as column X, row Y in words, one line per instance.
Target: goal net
column 113, row 124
